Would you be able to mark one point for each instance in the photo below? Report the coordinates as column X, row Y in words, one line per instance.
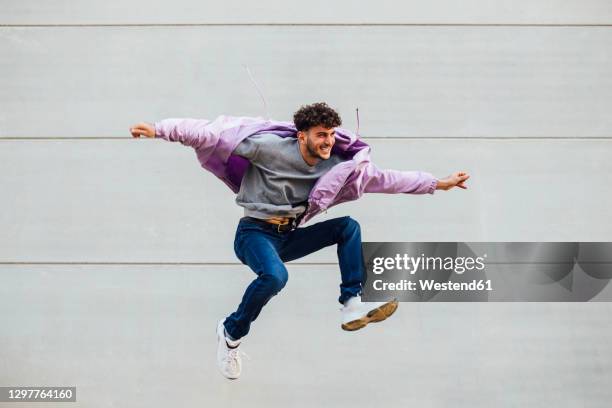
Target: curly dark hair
column 316, row 114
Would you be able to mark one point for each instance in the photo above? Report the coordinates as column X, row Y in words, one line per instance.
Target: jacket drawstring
column 258, row 91
column 357, row 132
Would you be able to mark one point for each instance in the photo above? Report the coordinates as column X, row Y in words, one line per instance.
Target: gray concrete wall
column 116, row 256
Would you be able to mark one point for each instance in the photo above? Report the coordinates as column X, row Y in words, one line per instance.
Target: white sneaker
column 357, row 314
column 229, row 359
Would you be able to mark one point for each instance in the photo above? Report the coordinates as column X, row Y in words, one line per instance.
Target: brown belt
column 283, row 224
column 279, row 220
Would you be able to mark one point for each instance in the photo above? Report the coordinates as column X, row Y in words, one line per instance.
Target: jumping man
column 284, row 174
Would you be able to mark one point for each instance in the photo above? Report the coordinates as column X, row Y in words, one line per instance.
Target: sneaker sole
column 376, row 315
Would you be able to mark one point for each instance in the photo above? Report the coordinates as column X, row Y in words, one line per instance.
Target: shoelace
column 234, row 354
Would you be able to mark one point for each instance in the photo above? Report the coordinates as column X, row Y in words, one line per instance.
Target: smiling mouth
column 325, row 149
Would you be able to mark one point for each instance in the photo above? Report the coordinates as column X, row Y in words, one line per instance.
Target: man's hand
column 454, row 180
column 142, row 129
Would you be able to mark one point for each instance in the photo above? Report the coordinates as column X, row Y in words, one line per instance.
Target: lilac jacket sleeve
column 396, row 181
column 190, row 132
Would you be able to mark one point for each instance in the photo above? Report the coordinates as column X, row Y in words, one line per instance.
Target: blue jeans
column 265, row 250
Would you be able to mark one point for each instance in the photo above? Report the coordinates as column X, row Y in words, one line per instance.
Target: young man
column 284, row 174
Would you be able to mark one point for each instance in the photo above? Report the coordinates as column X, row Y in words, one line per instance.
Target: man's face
column 319, row 141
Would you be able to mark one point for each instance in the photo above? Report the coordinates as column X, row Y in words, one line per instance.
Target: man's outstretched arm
column 412, row 182
column 189, row 132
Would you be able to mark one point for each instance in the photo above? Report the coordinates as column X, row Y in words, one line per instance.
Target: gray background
column 116, row 255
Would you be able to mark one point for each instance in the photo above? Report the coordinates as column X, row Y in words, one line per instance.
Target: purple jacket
column 214, row 141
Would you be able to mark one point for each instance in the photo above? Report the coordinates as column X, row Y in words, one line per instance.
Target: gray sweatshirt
column 278, row 180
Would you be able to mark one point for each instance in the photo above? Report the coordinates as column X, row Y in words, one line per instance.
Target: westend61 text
column 430, row 284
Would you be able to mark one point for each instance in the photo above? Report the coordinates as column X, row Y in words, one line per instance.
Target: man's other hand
column 142, row 129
